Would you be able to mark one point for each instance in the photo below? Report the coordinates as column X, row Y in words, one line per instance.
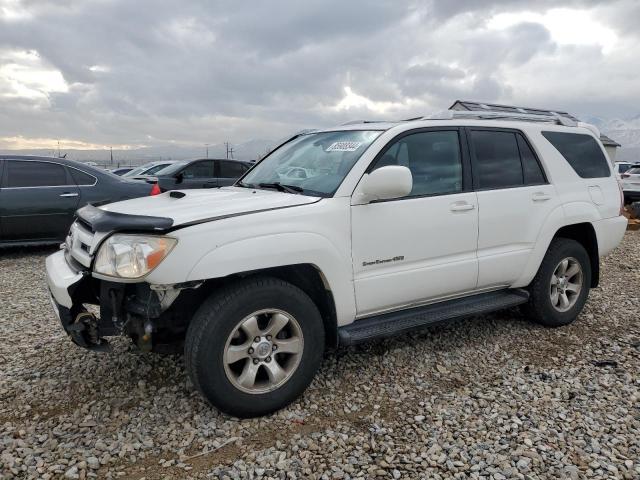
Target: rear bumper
column 609, row 233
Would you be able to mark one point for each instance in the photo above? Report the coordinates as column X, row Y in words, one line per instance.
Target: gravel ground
column 488, row 397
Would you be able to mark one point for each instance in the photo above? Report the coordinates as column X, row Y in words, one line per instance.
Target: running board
column 395, row 323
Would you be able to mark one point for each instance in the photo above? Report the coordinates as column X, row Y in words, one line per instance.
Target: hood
column 203, row 204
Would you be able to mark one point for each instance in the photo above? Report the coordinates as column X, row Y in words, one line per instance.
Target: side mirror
column 384, row 183
column 179, row 177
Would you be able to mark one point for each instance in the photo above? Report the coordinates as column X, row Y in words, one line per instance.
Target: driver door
column 422, row 247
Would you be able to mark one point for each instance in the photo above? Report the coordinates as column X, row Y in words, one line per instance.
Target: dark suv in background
column 201, row 173
column 39, row 195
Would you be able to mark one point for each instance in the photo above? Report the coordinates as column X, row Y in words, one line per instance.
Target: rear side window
column 22, row 174
column 231, row 169
column 81, row 178
column 582, row 152
column 497, row 159
column 623, row 167
column 530, row 167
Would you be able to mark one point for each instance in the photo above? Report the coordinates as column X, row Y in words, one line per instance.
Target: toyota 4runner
column 340, row 236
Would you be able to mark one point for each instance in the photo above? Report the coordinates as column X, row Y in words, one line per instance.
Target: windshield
column 156, row 168
column 138, row 170
column 171, row 169
column 314, row 163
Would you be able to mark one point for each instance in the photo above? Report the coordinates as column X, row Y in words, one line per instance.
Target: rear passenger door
column 37, row 200
column 229, row 171
column 514, row 199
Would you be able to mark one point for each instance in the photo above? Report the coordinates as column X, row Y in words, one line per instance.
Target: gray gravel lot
column 488, row 397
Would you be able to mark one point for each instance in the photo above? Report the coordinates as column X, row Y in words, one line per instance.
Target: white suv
column 630, row 183
column 394, row 226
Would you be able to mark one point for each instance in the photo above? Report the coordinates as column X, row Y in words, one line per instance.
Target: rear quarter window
column 81, row 178
column 582, row 152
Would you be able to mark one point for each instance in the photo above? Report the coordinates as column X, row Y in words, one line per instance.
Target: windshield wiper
column 245, row 185
column 281, row 187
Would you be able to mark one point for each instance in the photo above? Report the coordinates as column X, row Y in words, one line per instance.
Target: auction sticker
column 343, row 147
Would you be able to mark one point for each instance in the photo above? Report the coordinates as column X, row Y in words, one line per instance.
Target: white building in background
column 610, row 145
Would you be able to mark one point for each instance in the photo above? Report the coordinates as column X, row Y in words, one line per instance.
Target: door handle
column 68, row 194
column 540, row 197
column 461, row 207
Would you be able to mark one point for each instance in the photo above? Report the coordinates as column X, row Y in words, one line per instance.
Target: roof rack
column 547, row 117
column 512, row 112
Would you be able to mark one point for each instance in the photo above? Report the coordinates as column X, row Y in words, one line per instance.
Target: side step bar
column 395, row 323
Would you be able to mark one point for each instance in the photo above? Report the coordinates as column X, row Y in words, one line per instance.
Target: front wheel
column 561, row 286
column 255, row 346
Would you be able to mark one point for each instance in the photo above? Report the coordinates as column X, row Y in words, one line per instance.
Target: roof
column 482, row 106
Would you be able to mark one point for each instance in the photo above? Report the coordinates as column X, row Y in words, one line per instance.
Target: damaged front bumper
column 139, row 310
column 68, row 288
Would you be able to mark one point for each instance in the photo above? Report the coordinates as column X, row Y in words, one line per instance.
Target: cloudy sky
column 148, row 72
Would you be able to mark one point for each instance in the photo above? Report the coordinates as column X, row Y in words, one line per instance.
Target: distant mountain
column 249, row 150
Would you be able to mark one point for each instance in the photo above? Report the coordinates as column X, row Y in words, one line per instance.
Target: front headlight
column 132, row 256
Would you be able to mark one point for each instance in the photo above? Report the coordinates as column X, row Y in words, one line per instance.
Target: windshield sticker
column 343, row 147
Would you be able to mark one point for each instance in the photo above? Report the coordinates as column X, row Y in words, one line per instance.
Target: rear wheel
column 561, row 286
column 254, row 347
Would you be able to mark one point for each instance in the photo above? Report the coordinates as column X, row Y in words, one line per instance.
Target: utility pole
column 206, row 146
column 58, row 148
column 230, row 152
column 111, row 154
column 226, row 144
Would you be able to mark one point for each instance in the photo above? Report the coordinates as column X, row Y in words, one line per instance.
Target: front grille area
column 80, row 243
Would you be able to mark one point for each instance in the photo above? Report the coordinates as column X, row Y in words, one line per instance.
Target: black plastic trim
column 104, row 221
column 395, row 323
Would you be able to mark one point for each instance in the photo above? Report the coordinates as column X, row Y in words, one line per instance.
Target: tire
column 215, row 331
column 540, row 307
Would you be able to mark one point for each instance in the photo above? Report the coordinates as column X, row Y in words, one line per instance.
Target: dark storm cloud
column 152, row 71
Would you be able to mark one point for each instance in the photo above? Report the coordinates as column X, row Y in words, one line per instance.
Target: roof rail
column 547, row 117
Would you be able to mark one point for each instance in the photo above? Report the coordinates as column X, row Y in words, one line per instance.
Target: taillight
column 621, row 199
column 155, row 190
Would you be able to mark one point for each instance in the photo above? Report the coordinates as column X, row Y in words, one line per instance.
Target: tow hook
column 84, row 332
